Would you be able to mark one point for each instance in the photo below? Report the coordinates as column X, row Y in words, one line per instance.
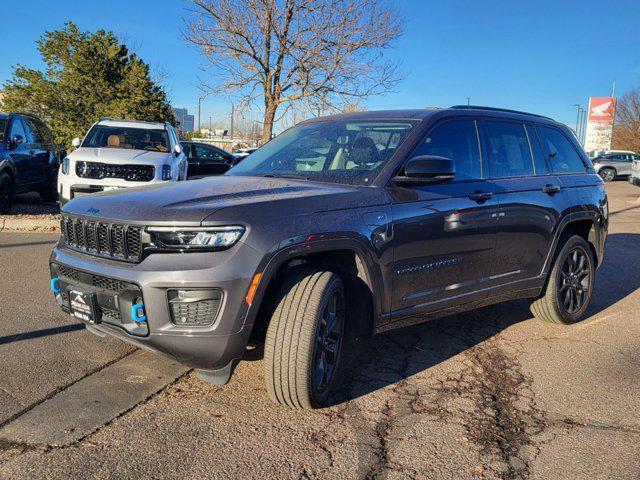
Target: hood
column 193, row 201
column 119, row 156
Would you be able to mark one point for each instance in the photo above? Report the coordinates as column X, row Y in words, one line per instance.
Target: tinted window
column 563, row 158
column 208, row 154
column 42, row 132
column 17, row 129
column 187, row 151
column 3, row 126
column 509, row 151
column 457, row 140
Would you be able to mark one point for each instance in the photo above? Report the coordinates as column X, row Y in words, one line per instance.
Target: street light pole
column 577, row 119
column 199, row 106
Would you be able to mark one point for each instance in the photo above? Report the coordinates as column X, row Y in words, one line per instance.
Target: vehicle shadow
column 371, row 364
column 32, row 204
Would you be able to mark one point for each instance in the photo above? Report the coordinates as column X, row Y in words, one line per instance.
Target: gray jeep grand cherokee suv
column 341, row 226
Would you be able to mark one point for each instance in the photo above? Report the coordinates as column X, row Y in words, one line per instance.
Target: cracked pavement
column 490, row 394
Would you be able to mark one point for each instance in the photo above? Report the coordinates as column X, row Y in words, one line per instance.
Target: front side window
column 17, row 130
column 150, row 139
column 509, row 151
column 208, row 154
column 563, row 158
column 458, row 141
column 335, row 151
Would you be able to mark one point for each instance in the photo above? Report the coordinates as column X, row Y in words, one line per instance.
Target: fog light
column 197, row 308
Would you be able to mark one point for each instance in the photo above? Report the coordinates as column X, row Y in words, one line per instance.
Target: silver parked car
column 634, row 178
column 614, row 164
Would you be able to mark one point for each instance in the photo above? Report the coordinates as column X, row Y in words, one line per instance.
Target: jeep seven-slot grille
column 99, row 171
column 120, row 242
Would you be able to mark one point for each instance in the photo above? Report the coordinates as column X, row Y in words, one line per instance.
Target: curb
column 29, row 225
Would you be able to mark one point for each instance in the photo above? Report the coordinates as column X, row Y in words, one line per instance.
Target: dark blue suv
column 29, row 159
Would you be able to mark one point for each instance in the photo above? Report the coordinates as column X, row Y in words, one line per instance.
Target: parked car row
column 114, row 154
column 614, row 164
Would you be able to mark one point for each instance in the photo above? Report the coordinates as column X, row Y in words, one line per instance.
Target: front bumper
column 207, row 347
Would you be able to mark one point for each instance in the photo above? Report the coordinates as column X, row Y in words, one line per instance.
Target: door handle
column 551, row 189
column 480, row 197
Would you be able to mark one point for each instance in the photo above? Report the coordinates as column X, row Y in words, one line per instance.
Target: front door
column 20, row 153
column 210, row 162
column 444, row 234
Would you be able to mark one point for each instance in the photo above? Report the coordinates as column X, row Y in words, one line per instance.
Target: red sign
column 601, row 109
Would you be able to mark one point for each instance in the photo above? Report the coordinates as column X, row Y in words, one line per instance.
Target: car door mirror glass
column 16, row 141
column 425, row 169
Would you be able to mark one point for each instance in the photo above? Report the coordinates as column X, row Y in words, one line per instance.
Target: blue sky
column 542, row 56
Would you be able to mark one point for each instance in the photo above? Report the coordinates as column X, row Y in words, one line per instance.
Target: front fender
column 296, row 248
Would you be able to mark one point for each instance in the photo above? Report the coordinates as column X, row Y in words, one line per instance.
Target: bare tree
column 324, row 52
column 626, row 132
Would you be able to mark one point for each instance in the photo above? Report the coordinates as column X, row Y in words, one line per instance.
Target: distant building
column 185, row 121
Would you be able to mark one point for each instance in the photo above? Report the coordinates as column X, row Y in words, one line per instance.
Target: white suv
column 121, row 153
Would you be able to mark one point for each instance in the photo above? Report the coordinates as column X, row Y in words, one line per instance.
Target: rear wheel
column 570, row 285
column 6, row 193
column 607, row 174
column 304, row 340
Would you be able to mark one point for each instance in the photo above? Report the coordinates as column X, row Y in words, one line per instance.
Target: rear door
column 38, row 154
column 531, row 202
column 444, row 234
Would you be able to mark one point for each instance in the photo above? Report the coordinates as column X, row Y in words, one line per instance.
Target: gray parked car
column 614, row 164
column 347, row 225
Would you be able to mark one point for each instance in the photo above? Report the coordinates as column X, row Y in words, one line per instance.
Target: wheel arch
column 346, row 257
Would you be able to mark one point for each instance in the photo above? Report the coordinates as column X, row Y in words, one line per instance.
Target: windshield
column 102, row 136
column 335, row 151
column 3, row 126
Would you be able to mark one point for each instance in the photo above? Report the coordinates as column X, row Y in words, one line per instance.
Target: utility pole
column 199, row 107
column 468, row 101
column 209, row 123
column 232, row 115
column 577, row 119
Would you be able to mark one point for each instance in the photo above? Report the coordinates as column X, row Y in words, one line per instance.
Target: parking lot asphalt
column 491, row 393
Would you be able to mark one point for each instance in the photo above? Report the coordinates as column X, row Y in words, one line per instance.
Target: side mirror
column 425, row 169
column 16, row 141
column 177, row 149
column 75, row 142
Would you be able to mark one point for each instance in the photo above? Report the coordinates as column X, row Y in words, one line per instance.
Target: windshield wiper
column 284, row 175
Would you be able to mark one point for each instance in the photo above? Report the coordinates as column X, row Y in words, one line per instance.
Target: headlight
column 167, row 172
column 64, row 168
column 195, row 238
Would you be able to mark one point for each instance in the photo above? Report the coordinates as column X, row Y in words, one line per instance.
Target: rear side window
column 509, row 151
column 563, row 158
column 457, row 140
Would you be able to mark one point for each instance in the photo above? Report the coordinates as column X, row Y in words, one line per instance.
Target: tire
column 607, row 174
column 298, row 341
column 50, row 193
column 569, row 286
column 6, row 193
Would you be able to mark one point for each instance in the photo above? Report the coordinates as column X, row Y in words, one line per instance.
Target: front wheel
column 570, row 284
column 607, row 174
column 6, row 193
column 304, row 339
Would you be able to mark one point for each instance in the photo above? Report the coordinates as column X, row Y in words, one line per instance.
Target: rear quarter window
column 562, row 156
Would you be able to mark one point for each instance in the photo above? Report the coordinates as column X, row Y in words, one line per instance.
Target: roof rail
column 496, row 109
